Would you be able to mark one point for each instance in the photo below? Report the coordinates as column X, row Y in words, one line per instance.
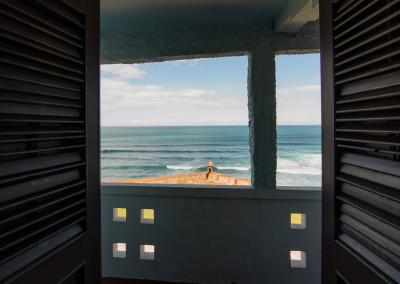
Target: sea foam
column 234, row 168
column 180, row 167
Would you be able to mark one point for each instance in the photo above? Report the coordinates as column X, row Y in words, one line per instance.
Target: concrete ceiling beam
column 296, row 14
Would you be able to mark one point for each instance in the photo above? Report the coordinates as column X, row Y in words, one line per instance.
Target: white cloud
column 300, row 114
column 298, row 89
column 311, row 102
column 124, row 71
column 125, row 104
column 300, row 106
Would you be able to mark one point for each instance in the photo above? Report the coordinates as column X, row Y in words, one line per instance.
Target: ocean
column 141, row 152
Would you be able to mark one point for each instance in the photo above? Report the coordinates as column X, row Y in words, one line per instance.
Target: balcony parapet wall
column 210, row 234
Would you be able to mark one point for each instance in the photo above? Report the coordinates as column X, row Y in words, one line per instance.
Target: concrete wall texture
column 151, row 45
column 212, row 235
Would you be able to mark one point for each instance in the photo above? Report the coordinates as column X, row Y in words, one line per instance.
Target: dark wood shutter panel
column 366, row 90
column 43, row 136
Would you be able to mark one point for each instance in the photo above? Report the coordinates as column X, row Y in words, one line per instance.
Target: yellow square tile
column 295, row 218
column 121, row 212
column 148, row 213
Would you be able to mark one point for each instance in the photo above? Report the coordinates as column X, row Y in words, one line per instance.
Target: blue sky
column 209, row 91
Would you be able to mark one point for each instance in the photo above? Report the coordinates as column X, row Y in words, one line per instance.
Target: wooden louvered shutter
column 360, row 53
column 49, row 178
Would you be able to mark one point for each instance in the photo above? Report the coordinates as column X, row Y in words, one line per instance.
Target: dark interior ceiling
column 128, row 15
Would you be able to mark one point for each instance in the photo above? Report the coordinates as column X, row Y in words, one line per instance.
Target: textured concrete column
column 262, row 117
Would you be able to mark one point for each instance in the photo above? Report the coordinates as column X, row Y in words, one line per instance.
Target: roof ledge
column 296, row 14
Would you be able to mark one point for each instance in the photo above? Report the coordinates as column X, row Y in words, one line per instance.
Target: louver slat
column 23, row 215
column 21, row 190
column 389, row 232
column 371, row 175
column 354, row 14
column 389, row 218
column 39, row 130
column 363, row 148
column 31, row 21
column 20, row 166
column 344, row 8
column 37, row 99
column 39, row 56
column 36, row 36
column 386, row 255
column 42, row 124
column 363, row 20
column 368, row 51
column 371, row 197
column 41, row 17
column 17, row 39
column 32, row 76
column 52, row 138
column 366, row 60
column 369, row 139
column 372, row 84
column 368, row 96
column 369, row 128
column 22, row 108
column 42, row 194
column 371, row 234
column 376, row 105
column 38, row 67
column 63, row 10
column 41, row 150
column 384, row 166
column 34, row 89
column 376, row 37
column 369, row 116
column 369, row 72
column 45, row 233
column 370, row 186
column 37, row 119
column 37, row 219
column 371, row 257
column 49, row 171
column 26, row 238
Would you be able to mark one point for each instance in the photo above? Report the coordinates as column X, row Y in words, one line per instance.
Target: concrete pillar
column 262, row 117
